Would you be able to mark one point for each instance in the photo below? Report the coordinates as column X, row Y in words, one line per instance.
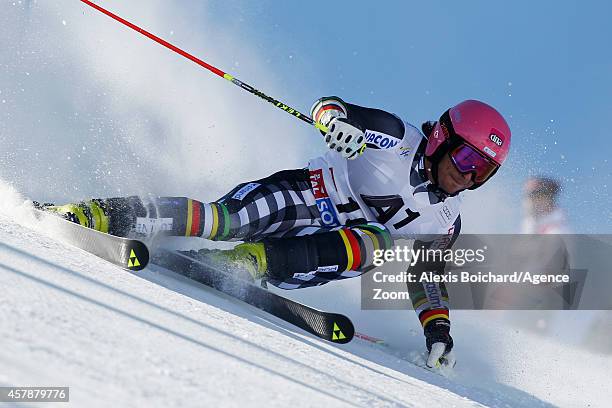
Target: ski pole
column 211, row 68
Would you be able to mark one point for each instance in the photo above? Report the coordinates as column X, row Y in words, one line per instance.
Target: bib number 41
column 387, row 206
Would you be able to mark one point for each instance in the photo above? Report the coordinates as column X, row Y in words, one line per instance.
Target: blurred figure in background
column 591, row 329
column 542, row 214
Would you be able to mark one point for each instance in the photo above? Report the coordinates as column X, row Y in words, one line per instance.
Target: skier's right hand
column 345, row 137
column 439, row 344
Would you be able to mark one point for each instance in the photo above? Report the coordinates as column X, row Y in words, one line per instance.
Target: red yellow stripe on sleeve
column 324, row 108
column 353, row 251
column 429, row 315
column 192, row 224
column 347, row 246
column 189, row 222
column 195, row 222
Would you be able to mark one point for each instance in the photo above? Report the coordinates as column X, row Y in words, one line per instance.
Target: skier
column 310, row 226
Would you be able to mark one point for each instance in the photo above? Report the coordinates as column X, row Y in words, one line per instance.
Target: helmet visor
column 469, row 160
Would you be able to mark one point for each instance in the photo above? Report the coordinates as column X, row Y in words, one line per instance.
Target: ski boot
column 247, row 259
column 91, row 214
column 115, row 216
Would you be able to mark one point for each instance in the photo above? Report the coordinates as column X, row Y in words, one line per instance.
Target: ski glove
column 439, row 344
column 345, row 137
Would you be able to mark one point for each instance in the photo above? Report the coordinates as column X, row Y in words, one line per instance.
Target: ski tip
column 343, row 330
column 137, row 256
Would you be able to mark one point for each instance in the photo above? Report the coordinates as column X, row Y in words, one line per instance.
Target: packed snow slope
column 156, row 339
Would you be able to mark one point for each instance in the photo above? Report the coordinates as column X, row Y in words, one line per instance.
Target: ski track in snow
column 71, row 319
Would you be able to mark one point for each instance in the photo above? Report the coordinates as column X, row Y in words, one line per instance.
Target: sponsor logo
column 489, row 151
column 446, row 213
column 326, row 210
column 324, row 203
column 381, row 140
column 304, row 276
column 330, row 268
column 152, row 226
column 318, row 184
column 433, row 295
column 496, row 139
column 405, row 151
column 240, row 194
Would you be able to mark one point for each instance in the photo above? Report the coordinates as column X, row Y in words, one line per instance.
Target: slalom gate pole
column 211, row 68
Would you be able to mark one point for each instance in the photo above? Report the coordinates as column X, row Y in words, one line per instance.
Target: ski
column 129, row 254
column 333, row 327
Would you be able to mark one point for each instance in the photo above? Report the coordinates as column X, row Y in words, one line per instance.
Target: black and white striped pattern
column 281, row 205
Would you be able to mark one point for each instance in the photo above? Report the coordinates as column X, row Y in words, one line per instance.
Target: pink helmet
column 474, row 123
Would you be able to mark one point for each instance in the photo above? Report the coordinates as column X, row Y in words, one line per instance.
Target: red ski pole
column 209, row 67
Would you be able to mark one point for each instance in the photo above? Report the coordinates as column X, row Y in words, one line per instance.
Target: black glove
column 439, row 343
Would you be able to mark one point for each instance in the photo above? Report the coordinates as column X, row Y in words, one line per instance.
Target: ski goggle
column 469, row 160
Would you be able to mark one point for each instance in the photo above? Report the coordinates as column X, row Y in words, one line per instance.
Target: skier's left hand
column 345, row 137
column 439, row 344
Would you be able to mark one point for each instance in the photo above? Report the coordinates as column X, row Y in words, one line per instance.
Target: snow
column 157, row 339
column 117, row 338
column 113, row 337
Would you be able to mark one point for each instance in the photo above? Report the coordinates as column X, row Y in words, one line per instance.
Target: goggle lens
column 469, row 160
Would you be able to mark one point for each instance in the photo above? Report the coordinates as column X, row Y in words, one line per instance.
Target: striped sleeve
column 430, row 300
column 360, row 242
column 327, row 108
